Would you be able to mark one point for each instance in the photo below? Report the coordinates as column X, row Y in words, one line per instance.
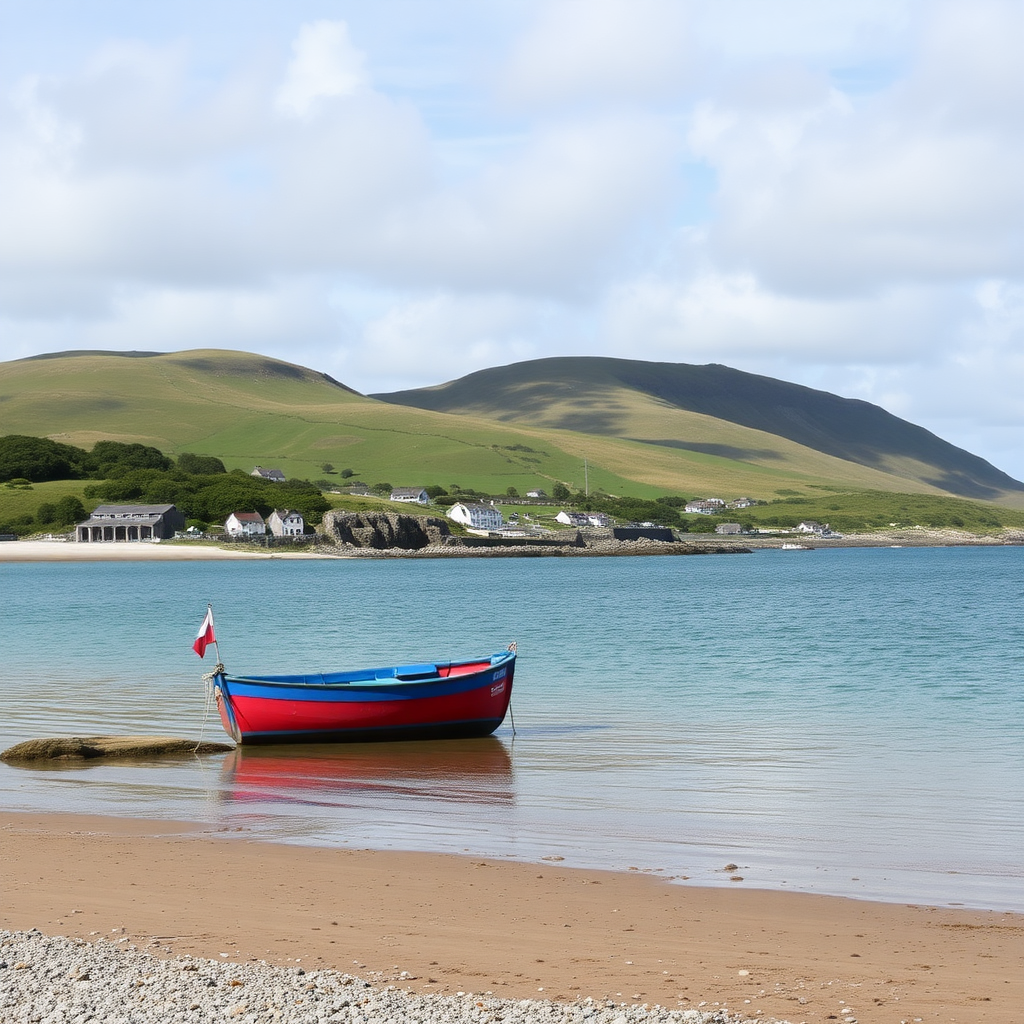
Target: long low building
column 114, row 523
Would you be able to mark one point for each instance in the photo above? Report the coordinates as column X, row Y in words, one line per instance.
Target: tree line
column 128, row 473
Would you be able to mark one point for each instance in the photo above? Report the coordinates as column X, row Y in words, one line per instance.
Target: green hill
column 250, row 410
column 698, row 408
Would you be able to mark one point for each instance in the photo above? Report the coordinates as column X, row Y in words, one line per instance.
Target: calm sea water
column 845, row 721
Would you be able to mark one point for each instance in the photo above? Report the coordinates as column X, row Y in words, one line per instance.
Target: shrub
column 201, row 465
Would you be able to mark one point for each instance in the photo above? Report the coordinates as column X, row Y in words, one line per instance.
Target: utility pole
column 586, row 478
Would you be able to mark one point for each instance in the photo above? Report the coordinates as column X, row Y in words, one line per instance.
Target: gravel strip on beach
column 55, row 980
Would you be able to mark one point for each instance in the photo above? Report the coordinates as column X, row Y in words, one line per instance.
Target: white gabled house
column 414, row 494
column 476, row 517
column 245, row 524
column 810, row 526
column 284, row 522
column 600, row 519
column 569, row 518
column 273, row 475
column 537, row 493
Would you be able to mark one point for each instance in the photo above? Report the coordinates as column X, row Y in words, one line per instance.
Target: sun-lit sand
column 514, row 929
column 69, row 551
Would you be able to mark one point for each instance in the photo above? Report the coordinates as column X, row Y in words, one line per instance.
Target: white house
column 285, row 523
column 742, row 503
column 414, row 494
column 477, row 517
column 810, row 526
column 569, row 518
column 538, row 493
column 273, row 475
column 245, row 524
column 705, row 506
column 599, row 519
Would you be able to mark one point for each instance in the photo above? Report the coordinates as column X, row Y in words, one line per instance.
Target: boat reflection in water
column 470, row 771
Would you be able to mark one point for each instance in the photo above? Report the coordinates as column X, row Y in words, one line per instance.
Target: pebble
column 57, row 980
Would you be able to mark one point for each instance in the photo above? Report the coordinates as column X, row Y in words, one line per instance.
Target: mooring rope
column 513, row 648
column 211, row 699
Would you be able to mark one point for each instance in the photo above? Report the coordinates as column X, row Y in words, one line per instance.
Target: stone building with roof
column 114, row 523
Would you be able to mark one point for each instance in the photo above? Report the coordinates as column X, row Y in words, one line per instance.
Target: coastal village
column 126, row 523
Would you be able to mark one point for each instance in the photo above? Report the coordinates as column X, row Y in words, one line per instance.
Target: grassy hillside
column 715, row 410
column 250, row 410
column 868, row 510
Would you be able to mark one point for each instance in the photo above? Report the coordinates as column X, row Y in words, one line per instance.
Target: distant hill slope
column 248, row 410
column 668, row 404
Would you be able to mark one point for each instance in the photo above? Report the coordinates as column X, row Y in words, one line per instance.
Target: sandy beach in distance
column 69, row 551
column 465, row 924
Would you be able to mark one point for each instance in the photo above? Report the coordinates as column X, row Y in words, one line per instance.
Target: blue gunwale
column 353, row 686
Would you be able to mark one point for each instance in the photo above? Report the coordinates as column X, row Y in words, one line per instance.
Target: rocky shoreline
column 397, row 535
column 393, row 534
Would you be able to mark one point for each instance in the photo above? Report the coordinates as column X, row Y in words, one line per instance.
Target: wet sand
column 512, row 929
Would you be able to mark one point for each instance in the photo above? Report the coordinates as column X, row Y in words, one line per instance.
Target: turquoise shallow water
column 844, row 721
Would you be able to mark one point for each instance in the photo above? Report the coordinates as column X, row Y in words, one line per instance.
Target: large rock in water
column 88, row 748
column 382, row 530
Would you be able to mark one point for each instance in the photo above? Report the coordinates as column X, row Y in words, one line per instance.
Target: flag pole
column 216, row 646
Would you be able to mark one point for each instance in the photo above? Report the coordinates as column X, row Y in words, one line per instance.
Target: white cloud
column 734, row 319
column 442, row 336
column 922, row 183
column 552, row 219
column 291, row 319
column 600, row 49
column 840, row 30
column 325, row 65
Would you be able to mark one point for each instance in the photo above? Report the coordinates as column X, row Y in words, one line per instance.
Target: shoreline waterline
column 693, row 543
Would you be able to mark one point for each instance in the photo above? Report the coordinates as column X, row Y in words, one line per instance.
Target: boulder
column 383, row 530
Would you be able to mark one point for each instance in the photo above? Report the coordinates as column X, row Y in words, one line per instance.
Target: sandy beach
column 69, row 551
column 462, row 924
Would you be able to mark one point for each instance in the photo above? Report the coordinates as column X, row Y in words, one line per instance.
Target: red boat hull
column 466, row 699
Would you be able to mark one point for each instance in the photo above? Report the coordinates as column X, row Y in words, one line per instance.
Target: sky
column 829, row 192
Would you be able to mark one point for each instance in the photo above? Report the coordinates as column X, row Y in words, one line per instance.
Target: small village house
column 728, row 528
column 416, row 495
column 476, row 517
column 245, row 524
column 810, row 526
column 705, row 506
column 273, row 475
column 283, row 522
column 569, row 518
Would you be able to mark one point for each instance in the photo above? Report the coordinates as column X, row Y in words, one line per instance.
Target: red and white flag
column 206, row 635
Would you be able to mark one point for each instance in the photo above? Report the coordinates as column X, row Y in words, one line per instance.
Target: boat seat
column 412, row 672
